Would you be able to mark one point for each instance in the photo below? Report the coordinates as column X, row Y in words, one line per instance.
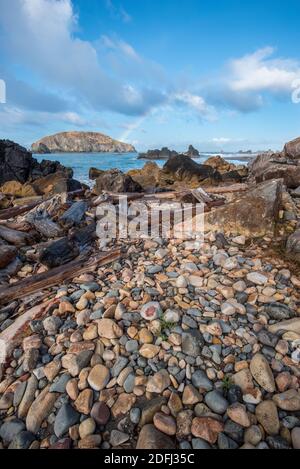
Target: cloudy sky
column 217, row 74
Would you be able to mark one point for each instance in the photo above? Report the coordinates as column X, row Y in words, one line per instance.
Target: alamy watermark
column 2, row 92
column 139, row 220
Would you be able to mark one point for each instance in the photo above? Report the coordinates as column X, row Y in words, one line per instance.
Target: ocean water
column 82, row 162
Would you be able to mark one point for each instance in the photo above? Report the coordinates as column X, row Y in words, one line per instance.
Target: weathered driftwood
column 8, row 213
column 56, row 276
column 12, row 212
column 7, row 255
column 227, row 189
column 59, row 253
column 10, row 270
column 43, row 224
column 18, row 238
column 12, row 337
column 84, row 236
column 74, row 215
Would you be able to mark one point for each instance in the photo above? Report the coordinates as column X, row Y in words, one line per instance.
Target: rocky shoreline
column 151, row 343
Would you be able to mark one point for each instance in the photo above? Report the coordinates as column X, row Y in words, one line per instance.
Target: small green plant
column 227, row 383
column 165, row 326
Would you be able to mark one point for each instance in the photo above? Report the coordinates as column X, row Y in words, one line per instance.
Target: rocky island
column 80, row 142
column 165, row 154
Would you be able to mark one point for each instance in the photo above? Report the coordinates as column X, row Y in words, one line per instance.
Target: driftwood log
column 74, row 215
column 59, row 253
column 56, row 276
column 7, row 255
column 43, row 224
column 17, row 238
column 8, row 213
column 84, row 236
column 10, row 270
column 227, row 189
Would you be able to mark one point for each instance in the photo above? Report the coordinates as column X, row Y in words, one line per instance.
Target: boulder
column 15, row 162
column 293, row 246
column 149, row 177
column 94, row 173
column 18, row 171
column 17, row 189
column 183, row 168
column 253, row 213
column 217, row 162
column 292, row 149
column 273, row 166
column 56, row 183
column 116, row 181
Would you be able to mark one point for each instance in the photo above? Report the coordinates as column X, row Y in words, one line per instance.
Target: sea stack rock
column 80, row 142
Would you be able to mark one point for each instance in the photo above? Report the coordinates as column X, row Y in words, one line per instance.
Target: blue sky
column 217, row 74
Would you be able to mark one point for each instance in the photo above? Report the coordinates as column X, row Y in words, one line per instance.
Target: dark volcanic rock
column 116, row 181
column 15, row 162
column 183, row 168
column 162, row 154
column 192, row 152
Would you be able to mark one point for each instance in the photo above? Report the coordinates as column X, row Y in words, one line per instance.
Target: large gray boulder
column 116, row 181
column 292, row 149
column 253, row 213
column 275, row 166
column 293, row 246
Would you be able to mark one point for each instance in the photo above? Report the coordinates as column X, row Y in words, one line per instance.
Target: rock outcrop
column 276, row 166
column 163, row 154
column 253, row 214
column 284, row 165
column 21, row 175
column 149, row 177
column 293, row 246
column 80, row 142
column 116, row 181
column 192, row 152
column 183, row 168
column 292, row 149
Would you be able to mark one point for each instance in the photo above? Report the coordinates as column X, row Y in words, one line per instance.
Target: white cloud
column 197, row 103
column 250, row 82
column 260, row 72
column 40, row 34
column 221, row 140
column 122, row 46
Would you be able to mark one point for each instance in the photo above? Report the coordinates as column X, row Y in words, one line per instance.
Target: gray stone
column 10, row 429
column 200, row 380
column 60, row 384
column 192, row 342
column 66, row 418
column 216, row 402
